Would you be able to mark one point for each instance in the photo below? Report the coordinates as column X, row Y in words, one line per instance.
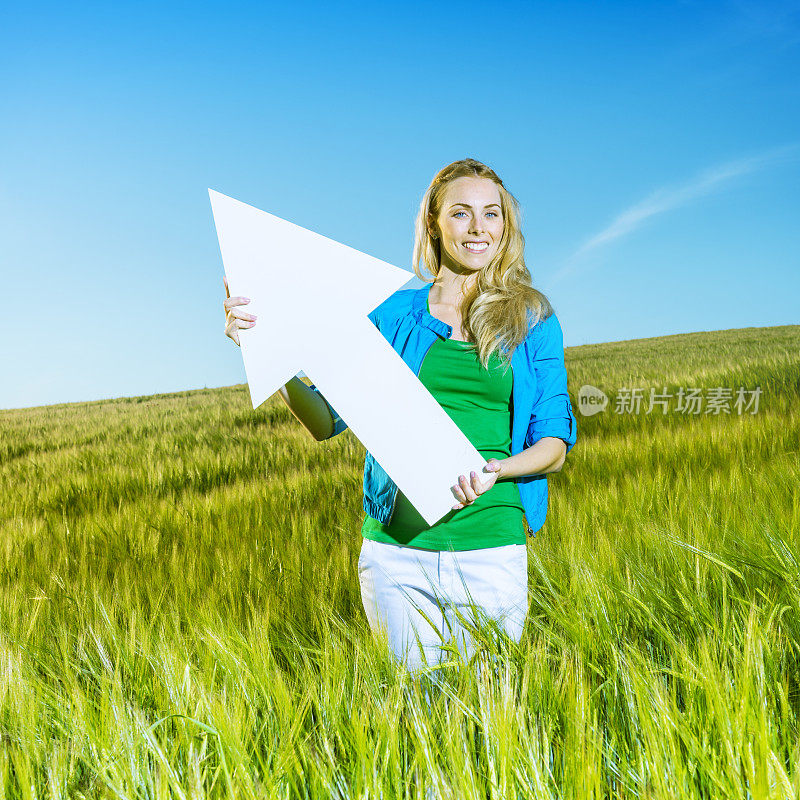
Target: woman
column 489, row 348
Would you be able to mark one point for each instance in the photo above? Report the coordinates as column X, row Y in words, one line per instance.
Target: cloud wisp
column 669, row 198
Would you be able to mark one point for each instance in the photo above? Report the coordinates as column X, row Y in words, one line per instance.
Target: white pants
column 397, row 583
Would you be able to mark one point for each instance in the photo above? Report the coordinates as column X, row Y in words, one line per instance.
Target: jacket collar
column 420, row 312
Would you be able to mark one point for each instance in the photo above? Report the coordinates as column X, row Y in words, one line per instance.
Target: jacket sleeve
column 339, row 424
column 552, row 410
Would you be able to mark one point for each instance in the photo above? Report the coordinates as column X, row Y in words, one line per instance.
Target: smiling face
column 470, row 224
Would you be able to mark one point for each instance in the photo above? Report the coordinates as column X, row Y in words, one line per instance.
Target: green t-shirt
column 479, row 402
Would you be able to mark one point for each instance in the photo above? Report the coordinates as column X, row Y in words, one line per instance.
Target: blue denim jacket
column 540, row 403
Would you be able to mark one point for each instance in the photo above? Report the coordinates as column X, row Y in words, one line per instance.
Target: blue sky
column 655, row 149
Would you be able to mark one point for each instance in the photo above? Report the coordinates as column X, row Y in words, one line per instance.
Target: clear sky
column 654, row 147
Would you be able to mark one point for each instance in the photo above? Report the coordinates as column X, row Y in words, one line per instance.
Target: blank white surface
column 312, row 296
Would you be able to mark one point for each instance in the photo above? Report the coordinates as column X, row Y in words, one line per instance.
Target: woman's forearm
column 547, row 455
column 308, row 407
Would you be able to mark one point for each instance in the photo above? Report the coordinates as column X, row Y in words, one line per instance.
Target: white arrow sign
column 312, row 296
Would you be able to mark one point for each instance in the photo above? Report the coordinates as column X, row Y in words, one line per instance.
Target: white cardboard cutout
column 312, row 296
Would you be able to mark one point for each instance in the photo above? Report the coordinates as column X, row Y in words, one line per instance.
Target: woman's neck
column 450, row 287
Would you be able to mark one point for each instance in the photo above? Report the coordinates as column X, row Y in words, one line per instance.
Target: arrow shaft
column 394, row 416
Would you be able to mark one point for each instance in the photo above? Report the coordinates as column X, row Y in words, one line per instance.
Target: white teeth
column 475, row 247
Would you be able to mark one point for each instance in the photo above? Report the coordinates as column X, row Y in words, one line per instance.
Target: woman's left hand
column 467, row 491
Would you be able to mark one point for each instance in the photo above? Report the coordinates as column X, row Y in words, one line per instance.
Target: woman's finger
column 241, row 323
column 458, row 493
column 478, row 484
column 227, row 290
column 475, row 483
column 239, row 314
column 232, row 333
column 466, row 488
column 230, row 302
column 233, row 325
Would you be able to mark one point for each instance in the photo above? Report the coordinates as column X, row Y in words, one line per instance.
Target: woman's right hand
column 235, row 318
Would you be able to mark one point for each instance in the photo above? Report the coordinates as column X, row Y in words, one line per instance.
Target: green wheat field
column 180, row 615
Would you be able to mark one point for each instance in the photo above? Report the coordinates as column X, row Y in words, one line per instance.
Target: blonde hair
column 502, row 304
